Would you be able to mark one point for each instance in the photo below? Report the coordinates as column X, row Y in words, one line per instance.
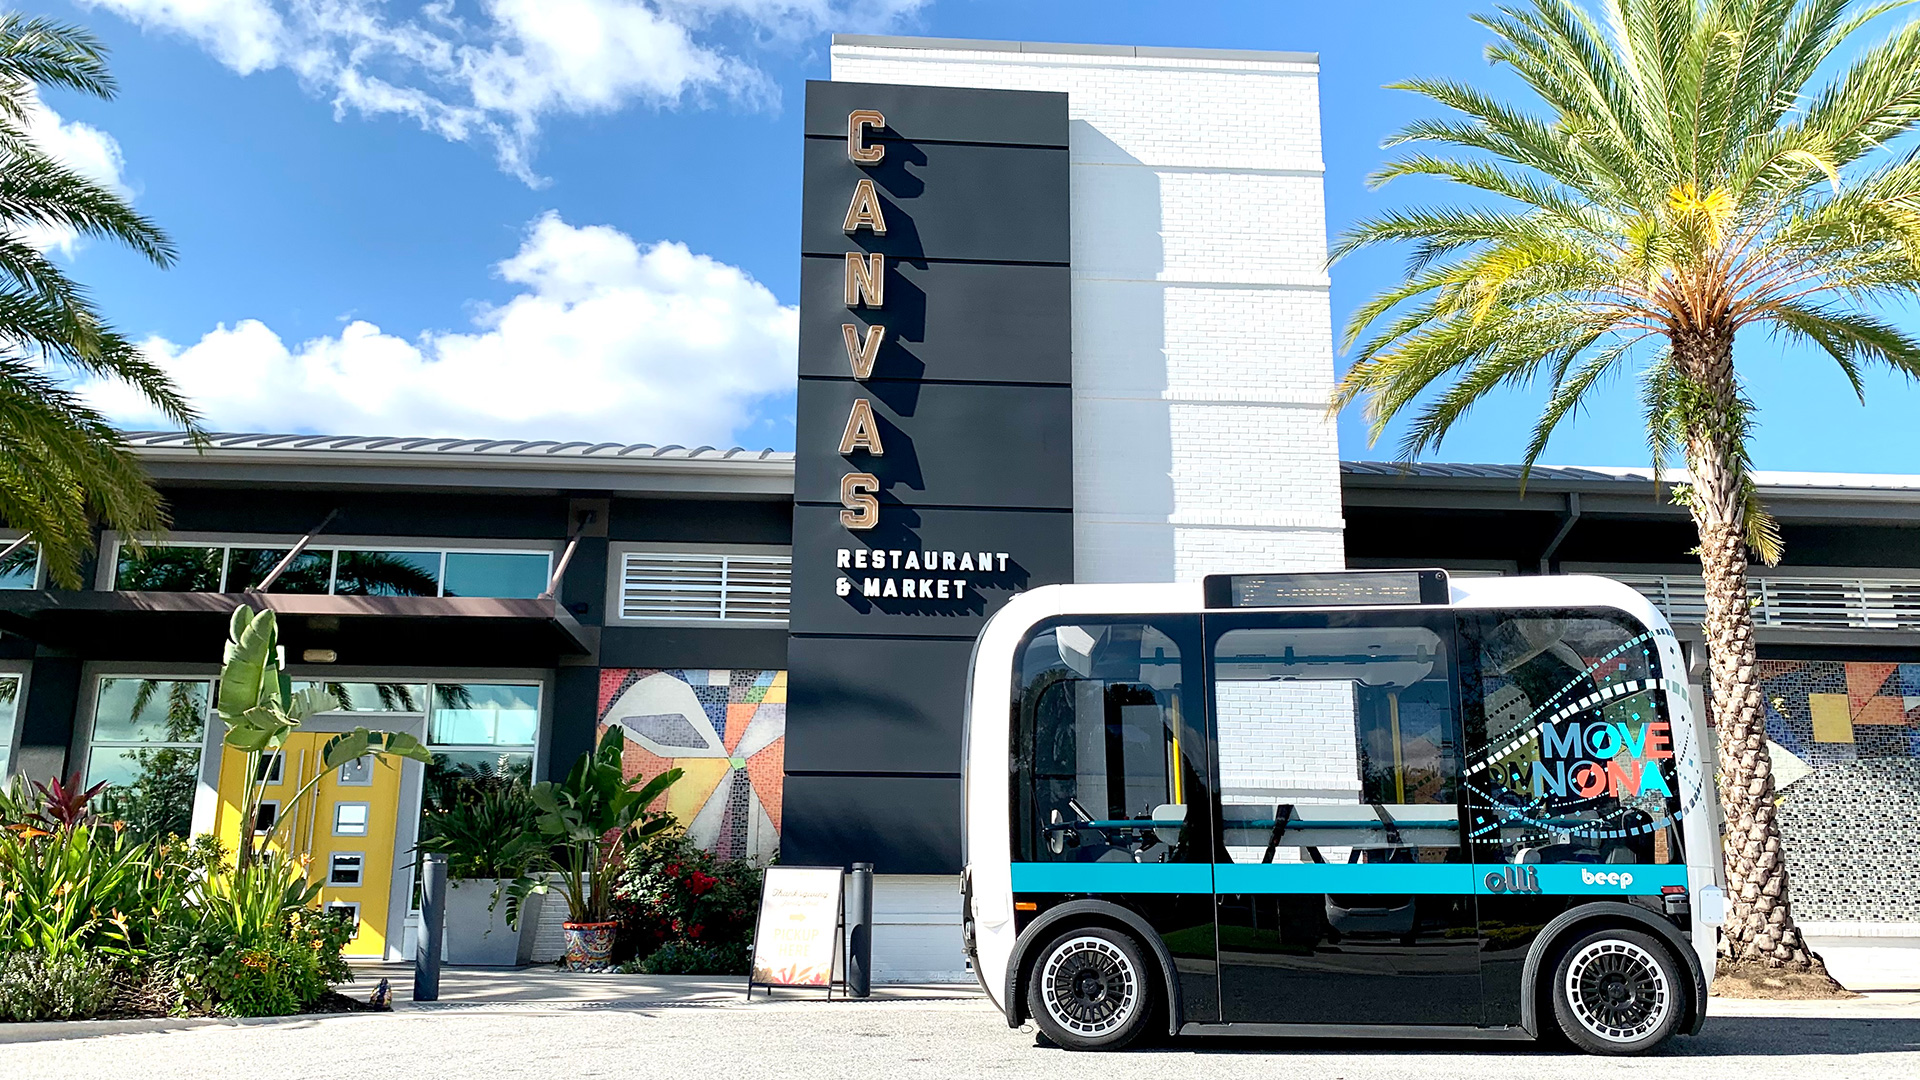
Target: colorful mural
column 726, row 730
column 1853, row 800
column 1825, row 711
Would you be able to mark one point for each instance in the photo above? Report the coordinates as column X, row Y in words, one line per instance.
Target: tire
column 1618, row 992
column 1092, row 989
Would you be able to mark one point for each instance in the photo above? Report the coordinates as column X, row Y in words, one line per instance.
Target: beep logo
column 1606, row 877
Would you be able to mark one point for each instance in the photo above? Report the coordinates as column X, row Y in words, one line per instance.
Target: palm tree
column 61, row 462
column 1689, row 178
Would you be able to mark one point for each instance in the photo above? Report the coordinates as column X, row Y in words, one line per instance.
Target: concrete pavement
column 674, row 1036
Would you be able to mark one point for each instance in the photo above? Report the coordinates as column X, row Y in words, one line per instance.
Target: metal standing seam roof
column 1061, row 48
column 453, row 449
column 1768, row 479
column 1447, row 470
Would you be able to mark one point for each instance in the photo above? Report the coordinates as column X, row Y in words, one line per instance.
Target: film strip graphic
column 1534, row 813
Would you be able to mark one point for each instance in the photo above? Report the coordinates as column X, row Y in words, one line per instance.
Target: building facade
column 1064, row 316
column 503, row 601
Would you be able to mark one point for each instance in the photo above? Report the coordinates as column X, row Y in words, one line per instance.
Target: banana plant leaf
column 358, row 743
column 250, row 669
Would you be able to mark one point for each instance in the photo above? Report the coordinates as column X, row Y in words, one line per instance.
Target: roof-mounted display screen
column 1353, row 588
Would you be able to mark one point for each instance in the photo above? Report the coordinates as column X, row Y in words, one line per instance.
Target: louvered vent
column 736, row 588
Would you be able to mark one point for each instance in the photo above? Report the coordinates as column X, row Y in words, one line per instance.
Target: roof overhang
column 361, row 630
column 463, row 465
column 1841, row 498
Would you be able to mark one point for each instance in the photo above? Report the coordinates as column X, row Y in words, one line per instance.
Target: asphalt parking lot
column 903, row 1040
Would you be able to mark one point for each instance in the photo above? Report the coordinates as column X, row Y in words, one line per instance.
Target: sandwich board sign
column 798, row 936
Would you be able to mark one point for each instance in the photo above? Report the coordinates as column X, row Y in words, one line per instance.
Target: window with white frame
column 9, row 711
column 696, row 585
column 345, row 869
column 20, row 569
column 145, row 740
column 481, row 736
column 360, row 570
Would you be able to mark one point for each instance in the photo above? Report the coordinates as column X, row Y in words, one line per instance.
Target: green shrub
column 85, row 908
column 275, row 974
column 254, row 945
column 37, row 985
column 694, row 958
column 698, row 909
column 487, row 827
column 84, row 888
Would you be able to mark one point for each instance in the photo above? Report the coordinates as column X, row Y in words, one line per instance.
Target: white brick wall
column 1284, row 736
column 1202, row 337
column 1202, row 341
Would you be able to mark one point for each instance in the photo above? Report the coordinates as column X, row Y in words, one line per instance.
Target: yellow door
column 345, row 828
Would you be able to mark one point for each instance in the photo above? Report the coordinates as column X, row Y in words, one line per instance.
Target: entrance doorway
column 349, row 829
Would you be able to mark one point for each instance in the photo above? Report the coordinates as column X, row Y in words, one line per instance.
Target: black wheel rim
column 1618, row 990
column 1090, row 986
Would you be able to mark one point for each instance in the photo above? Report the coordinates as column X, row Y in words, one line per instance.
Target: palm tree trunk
column 1760, row 931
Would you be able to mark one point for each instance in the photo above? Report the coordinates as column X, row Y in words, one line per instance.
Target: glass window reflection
column 484, row 714
column 9, row 709
column 371, row 697
column 387, row 573
column 150, row 710
column 495, row 574
column 146, row 743
column 20, row 570
column 308, row 574
column 168, row 569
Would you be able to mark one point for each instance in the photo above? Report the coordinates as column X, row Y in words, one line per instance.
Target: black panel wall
column 971, row 398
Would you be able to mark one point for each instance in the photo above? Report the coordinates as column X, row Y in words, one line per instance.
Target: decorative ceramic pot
column 589, row 945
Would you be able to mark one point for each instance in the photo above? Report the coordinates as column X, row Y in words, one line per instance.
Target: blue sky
column 443, row 217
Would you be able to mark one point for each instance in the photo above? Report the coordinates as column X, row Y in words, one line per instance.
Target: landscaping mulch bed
column 152, row 1001
column 1773, row 984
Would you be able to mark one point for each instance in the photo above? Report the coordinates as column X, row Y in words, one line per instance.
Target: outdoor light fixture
column 319, row 656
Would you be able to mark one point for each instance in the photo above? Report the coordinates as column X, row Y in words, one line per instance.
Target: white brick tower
column 1202, row 342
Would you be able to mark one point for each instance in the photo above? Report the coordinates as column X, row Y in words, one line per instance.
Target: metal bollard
column 433, row 919
column 860, row 931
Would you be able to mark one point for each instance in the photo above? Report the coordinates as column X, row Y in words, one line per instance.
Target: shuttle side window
column 1570, row 751
column 1108, row 753
column 1338, row 744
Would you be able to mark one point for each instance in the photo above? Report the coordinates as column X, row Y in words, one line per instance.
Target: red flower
column 698, row 883
column 698, row 929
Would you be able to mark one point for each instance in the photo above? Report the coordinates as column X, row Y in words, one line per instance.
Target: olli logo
column 1606, row 877
column 1514, row 879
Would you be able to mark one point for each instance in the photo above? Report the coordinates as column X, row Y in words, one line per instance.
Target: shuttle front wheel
column 1091, row 989
column 1618, row 992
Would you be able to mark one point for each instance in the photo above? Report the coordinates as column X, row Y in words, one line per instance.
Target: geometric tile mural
column 1851, row 826
column 1826, row 711
column 725, row 729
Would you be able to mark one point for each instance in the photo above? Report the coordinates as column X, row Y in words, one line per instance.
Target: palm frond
column 1679, row 169
column 63, row 466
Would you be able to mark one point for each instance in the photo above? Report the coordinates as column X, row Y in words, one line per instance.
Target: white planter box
column 480, row 938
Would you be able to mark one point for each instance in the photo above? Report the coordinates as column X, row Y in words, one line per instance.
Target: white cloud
column 606, row 340
column 497, row 69
column 82, row 147
column 245, row 35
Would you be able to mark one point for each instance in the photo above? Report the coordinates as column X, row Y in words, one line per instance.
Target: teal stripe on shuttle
column 1579, row 879
column 1114, row 877
column 1455, row 879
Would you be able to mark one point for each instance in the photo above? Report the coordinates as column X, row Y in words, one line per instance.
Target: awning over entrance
column 361, row 630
